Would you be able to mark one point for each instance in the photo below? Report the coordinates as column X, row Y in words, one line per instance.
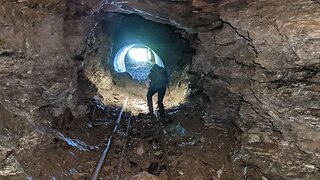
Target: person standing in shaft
column 157, row 83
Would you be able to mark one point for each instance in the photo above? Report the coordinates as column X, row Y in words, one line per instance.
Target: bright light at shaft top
column 140, row 54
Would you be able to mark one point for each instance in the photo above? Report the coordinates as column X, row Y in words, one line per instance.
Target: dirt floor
column 177, row 147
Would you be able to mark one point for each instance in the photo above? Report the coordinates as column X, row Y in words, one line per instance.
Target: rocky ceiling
column 257, row 62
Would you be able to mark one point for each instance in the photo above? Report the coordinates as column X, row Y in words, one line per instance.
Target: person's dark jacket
column 158, row 76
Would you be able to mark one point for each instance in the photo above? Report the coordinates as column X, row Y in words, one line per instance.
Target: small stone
column 309, row 166
column 158, row 153
column 219, row 173
column 5, row 152
column 163, row 176
column 140, row 150
column 253, row 138
column 144, row 176
column 180, row 172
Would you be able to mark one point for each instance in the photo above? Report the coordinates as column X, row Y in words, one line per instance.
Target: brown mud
column 177, row 147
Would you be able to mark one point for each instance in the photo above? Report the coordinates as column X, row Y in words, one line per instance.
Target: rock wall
column 37, row 49
column 280, row 107
column 39, row 41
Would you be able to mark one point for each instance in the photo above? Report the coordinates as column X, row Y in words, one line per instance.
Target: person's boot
column 151, row 114
column 162, row 114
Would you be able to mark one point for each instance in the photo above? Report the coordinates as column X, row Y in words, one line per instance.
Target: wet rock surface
column 256, row 69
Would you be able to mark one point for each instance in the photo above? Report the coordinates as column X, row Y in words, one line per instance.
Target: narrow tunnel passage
column 242, row 101
column 122, row 76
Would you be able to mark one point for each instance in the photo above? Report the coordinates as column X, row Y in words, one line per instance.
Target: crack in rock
column 246, row 38
column 274, row 127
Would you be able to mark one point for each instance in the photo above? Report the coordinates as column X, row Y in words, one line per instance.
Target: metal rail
column 165, row 152
column 124, row 148
column 106, row 150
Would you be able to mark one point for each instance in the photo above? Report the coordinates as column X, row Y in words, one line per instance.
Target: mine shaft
column 160, row 89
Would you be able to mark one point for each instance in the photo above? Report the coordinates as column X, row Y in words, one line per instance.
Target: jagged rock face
column 280, row 108
column 36, row 47
column 257, row 62
column 38, row 42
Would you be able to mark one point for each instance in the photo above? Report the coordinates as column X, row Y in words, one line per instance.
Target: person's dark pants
column 161, row 92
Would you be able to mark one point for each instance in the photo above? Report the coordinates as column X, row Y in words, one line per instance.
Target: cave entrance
column 171, row 49
column 137, row 60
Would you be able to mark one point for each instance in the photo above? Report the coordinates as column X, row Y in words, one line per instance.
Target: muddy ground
column 181, row 146
column 177, row 147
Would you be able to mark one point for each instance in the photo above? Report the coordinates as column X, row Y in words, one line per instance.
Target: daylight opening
column 137, row 60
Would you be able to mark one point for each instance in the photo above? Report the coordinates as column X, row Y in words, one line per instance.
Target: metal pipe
column 105, row 152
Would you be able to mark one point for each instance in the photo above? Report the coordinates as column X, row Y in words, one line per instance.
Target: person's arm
column 147, row 82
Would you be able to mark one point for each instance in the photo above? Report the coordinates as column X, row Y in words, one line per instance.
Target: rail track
column 146, row 140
